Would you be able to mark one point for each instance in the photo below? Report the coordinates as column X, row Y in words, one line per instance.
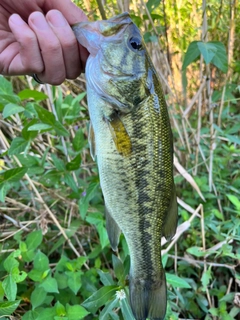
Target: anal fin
column 170, row 223
column 113, row 230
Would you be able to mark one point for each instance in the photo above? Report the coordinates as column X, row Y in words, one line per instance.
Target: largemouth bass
column 131, row 138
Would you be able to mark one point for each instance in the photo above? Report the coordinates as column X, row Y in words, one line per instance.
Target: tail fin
column 148, row 299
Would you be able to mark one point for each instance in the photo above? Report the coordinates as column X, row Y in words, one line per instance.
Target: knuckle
column 27, row 39
column 58, row 79
column 73, row 74
column 57, row 82
column 69, row 44
column 52, row 48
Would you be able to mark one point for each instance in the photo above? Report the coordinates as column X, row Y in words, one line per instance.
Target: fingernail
column 39, row 21
column 16, row 19
column 56, row 19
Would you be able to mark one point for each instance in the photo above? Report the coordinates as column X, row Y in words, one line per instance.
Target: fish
column 130, row 137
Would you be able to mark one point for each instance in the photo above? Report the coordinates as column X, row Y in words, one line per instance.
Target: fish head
column 117, row 68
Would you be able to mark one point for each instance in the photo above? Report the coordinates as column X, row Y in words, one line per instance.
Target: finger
column 71, row 12
column 52, row 55
column 23, row 55
column 68, row 43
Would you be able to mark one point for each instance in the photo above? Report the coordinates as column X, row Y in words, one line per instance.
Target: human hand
column 36, row 37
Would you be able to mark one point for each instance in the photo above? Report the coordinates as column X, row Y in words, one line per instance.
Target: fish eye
column 135, row 43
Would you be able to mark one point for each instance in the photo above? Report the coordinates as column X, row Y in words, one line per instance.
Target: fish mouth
column 123, row 76
column 91, row 34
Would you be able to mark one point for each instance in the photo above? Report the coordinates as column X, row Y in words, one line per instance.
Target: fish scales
column 131, row 139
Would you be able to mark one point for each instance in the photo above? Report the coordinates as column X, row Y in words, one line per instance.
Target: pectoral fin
column 170, row 223
column 91, row 141
column 113, row 230
column 120, row 136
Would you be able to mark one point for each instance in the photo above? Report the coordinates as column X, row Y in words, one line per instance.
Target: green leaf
column 4, row 188
column 10, row 263
column 44, row 115
column 68, row 179
column 28, row 135
column 1, row 291
column 49, row 285
column 99, row 298
column 118, row 267
column 62, row 280
column 220, row 58
column 35, row 275
column 30, row 315
column 105, row 278
column 152, row 4
column 47, row 314
column 79, row 141
column 29, row 255
column 37, row 297
column 10, row 288
column 61, row 266
column 206, row 277
column 18, row 145
column 41, row 262
column 164, row 260
column 16, row 253
column 84, row 201
column 11, row 109
column 39, row 127
column 36, row 95
column 8, row 307
column 79, row 262
column 78, row 98
column 19, row 276
column 6, row 92
column 176, row 281
column 60, row 309
column 8, row 98
column 5, row 86
column 13, row 175
column 76, row 312
column 74, row 164
column 74, row 280
column 104, row 241
column 104, row 315
column 214, row 311
column 191, row 55
column 126, row 309
column 59, row 128
column 208, row 50
column 234, row 201
column 51, row 178
column 22, row 246
column 196, row 251
column 228, row 297
column 233, row 139
column 58, row 163
column 34, row 239
column 218, row 214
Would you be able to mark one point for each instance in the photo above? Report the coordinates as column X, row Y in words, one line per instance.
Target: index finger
column 70, row 11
